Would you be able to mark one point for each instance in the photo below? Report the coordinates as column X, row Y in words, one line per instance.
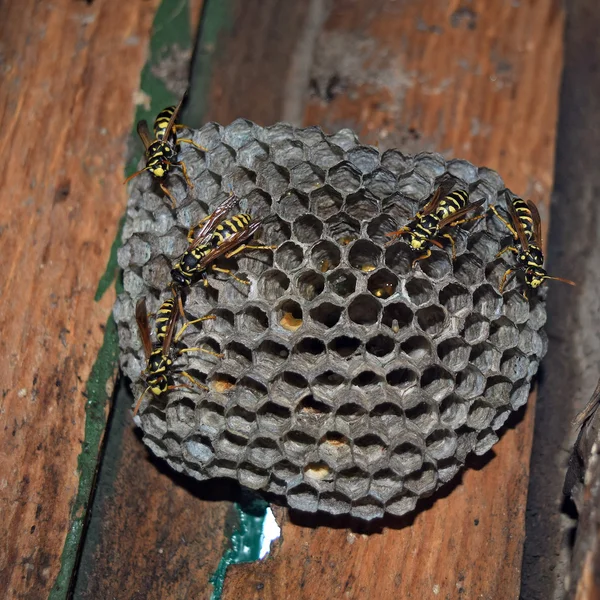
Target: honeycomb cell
column 455, row 299
column 364, row 158
column 400, row 208
column 382, row 284
column 238, row 133
column 273, row 284
column 289, row 256
column 273, row 179
column 476, row 329
column 422, row 482
column 369, row 450
column 307, row 229
column 364, row 310
column 514, row 364
column 381, row 183
column 343, row 228
column 399, row 258
column 417, row 348
column 537, row 314
column 402, row 378
column 515, row 308
column 503, row 334
column 486, row 358
column 401, row 504
column 325, row 202
column 364, row 256
column 430, row 165
column 311, row 408
column 334, row 448
column 198, row 449
column 345, row 346
column 290, row 315
column 497, row 392
column 327, row 384
column 287, row 153
column 275, row 232
column 240, row 353
column 480, row 415
column 386, row 484
column 325, row 256
column 531, row 343
column 406, row 458
column 367, row 508
column 252, row 155
column 484, row 246
column 230, row 447
column 303, row 497
column 351, row 412
column 326, row 314
column 387, row 418
column 437, row 266
column 487, row 302
column 437, row 382
column 342, row 282
column 211, row 416
column 253, row 319
column 252, row 477
column 468, row 269
column 289, row 385
column 241, row 421
column 519, row 395
column 454, row 353
column 310, row 284
column 344, row 177
column 485, row 441
column 273, row 418
column 396, row 162
column 380, row 345
column 366, row 379
column 432, row 320
column 310, row 347
column 453, row 411
column 362, row 205
column 271, row 355
column 334, row 503
column 414, row 185
column 419, row 291
column 470, row 382
column 326, row 154
column 397, row 316
column 307, row 177
column 379, row 226
column 353, row 483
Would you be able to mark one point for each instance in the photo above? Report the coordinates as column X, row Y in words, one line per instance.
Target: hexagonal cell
column 397, row 317
column 249, row 391
column 537, row 313
column 343, row 228
column 310, row 347
column 310, row 284
column 325, row 256
column 531, row 342
column 352, row 482
column 419, row 291
column 514, row 364
column 503, row 334
column 402, row 378
column 309, row 136
column 380, row 345
column 335, row 449
column 400, row 208
column 516, row 308
column 326, row 154
column 453, row 411
column 230, row 446
column 307, row 229
column 484, row 246
column 345, row 346
column 432, row 320
column 273, row 417
column 325, row 202
column 222, row 382
column 382, row 284
column 240, row 353
column 326, row 314
column 223, row 468
column 241, row 421
column 470, row 382
column 238, row 133
column 312, row 408
column 387, row 418
column 326, row 384
column 397, row 162
column 399, row 258
column 487, row 301
column 417, row 348
column 364, row 310
column 368, row 450
column 364, row 158
column 406, row 458
column 441, row 443
column 288, row 385
column 253, row 319
column 367, row 508
column 480, row 415
column 334, row 503
column 422, row 482
column 344, row 177
column 364, row 256
column 289, row 256
column 287, row 153
column 303, row 497
column 437, row 382
column 455, row 299
column 486, row 358
column 264, row 452
column 211, row 417
column 350, row 412
column 252, row 477
column 497, row 391
column 306, row 177
column 275, row 231
column 485, row 440
column 342, row 282
column 380, row 182
column 454, row 353
column 273, row 284
column 476, row 329
column 362, row 205
column 285, row 470
column 273, row 179
column 289, row 315
column 366, row 379
column 468, row 269
column 271, row 355
column 519, row 395
column 252, row 155
column 437, row 266
column 198, row 449
column 379, row 226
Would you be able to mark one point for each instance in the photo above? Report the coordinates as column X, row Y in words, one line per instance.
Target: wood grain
column 478, row 81
column 66, row 107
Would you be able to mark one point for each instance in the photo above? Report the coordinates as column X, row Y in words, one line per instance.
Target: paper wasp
column 444, row 209
column 526, row 230
column 158, row 372
column 211, row 239
column 161, row 151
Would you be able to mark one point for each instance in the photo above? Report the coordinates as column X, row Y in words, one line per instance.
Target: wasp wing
column 537, row 222
column 211, row 221
column 141, row 317
column 230, row 244
column 456, row 216
column 517, row 223
column 170, row 330
column 173, row 118
column 144, row 133
column 440, row 193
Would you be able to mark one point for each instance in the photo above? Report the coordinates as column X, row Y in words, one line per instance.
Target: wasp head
column 535, row 276
column 159, row 159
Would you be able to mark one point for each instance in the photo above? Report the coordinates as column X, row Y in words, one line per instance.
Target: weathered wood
column 70, row 70
column 415, row 75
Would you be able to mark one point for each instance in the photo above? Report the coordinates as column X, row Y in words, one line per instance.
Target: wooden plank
column 414, row 75
column 70, row 70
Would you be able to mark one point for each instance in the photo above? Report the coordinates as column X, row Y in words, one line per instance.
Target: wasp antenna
column 561, row 279
column 135, row 175
column 137, row 404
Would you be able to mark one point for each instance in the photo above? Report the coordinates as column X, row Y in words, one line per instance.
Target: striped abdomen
column 452, row 203
column 163, row 318
column 524, row 214
column 161, row 122
column 229, row 227
column 185, row 270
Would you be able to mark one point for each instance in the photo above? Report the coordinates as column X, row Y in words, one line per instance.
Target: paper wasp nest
column 352, row 383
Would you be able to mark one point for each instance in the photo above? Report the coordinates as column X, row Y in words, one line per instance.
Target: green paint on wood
column 95, row 421
column 112, row 268
column 244, row 542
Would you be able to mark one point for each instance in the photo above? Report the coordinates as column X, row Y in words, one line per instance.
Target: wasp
column 526, row 230
column 158, row 372
column 444, row 209
column 161, row 151
column 212, row 238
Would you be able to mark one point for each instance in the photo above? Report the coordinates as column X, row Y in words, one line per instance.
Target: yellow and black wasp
column 162, row 150
column 212, row 238
column 444, row 209
column 158, row 373
column 526, row 230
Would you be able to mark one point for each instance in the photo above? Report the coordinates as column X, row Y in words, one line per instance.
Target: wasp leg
column 449, row 237
column 504, row 278
column 504, row 250
column 193, row 380
column 192, row 143
column 169, row 195
column 508, row 225
column 463, row 221
column 422, row 257
column 188, row 323
column 230, row 273
column 396, row 234
column 246, row 247
column 185, row 173
column 196, row 349
column 139, row 402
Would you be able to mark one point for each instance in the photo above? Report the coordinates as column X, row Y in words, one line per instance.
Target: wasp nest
column 351, row 383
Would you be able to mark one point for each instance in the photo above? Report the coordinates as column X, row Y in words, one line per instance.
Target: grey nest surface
column 351, row 383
